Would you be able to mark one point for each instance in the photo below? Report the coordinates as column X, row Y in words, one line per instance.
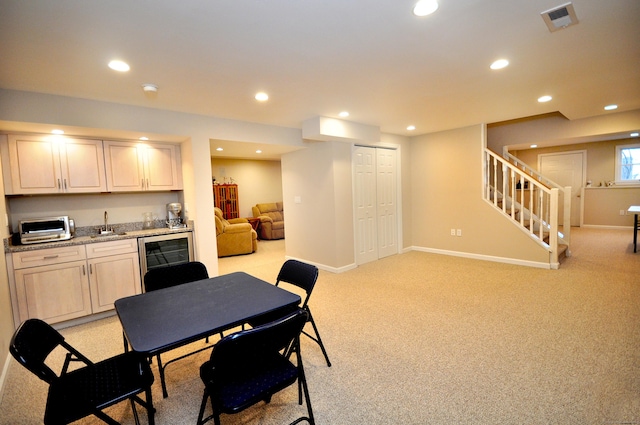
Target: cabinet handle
column 84, row 270
column 142, row 183
column 50, row 257
column 65, row 184
column 90, row 268
column 59, row 185
column 147, row 184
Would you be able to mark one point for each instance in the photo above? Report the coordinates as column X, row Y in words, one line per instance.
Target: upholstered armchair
column 235, row 236
column 271, row 217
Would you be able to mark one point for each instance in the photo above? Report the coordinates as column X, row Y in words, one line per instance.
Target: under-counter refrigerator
column 165, row 250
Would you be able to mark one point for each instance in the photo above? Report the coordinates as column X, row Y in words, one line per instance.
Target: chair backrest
column 300, row 274
column 165, row 277
column 32, row 343
column 236, row 353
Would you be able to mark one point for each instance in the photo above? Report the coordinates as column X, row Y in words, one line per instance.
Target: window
column 628, row 164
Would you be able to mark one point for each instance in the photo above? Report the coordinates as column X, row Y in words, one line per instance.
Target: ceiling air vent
column 560, row 17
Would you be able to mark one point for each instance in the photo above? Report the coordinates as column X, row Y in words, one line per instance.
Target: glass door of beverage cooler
column 165, row 250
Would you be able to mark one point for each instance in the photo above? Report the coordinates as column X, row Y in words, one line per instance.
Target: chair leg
column 135, row 411
column 317, row 338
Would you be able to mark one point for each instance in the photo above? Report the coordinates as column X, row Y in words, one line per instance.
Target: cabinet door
column 82, row 165
column 53, row 293
column 124, row 167
column 111, row 278
column 35, row 165
column 162, row 166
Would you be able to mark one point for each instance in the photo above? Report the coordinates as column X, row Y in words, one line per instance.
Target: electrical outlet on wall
column 622, row 212
column 453, row 232
column 459, row 232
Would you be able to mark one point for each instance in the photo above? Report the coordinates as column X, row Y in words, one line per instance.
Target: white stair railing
column 529, row 199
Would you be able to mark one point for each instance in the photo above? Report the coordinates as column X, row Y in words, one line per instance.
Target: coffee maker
column 174, row 221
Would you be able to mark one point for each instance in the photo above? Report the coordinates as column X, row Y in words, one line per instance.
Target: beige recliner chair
column 271, row 217
column 235, row 236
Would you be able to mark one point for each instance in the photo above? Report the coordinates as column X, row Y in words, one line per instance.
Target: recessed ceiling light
column 150, row 87
column 144, row 138
column 610, row 107
column 219, row 149
column 262, row 96
column 118, row 65
column 258, row 151
column 425, row 7
column 533, row 146
column 499, row 64
column 545, row 98
column 344, row 114
column 634, row 134
column 411, row 127
column 57, row 131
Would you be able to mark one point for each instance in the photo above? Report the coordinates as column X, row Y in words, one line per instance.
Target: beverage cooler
column 165, row 250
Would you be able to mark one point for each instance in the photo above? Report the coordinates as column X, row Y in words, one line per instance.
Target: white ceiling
column 374, row 58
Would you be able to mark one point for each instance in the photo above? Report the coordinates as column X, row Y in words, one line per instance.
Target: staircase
column 531, row 202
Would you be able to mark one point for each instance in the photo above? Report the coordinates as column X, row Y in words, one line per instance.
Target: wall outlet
column 459, row 232
column 453, row 232
column 621, row 212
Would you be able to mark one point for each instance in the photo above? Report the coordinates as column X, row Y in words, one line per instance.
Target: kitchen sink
column 102, row 235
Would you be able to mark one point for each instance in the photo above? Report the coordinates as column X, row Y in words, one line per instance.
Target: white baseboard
column 325, row 267
column 484, row 257
column 3, row 376
column 598, row 226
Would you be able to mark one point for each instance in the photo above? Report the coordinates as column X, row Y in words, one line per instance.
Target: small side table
column 255, row 223
column 635, row 210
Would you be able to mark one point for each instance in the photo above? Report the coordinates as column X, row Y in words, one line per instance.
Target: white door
column 565, row 169
column 364, row 160
column 386, row 200
column 375, row 203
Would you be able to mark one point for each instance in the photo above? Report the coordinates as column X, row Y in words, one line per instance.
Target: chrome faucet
column 106, row 224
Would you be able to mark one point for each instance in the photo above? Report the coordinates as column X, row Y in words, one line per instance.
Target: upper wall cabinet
column 133, row 167
column 46, row 165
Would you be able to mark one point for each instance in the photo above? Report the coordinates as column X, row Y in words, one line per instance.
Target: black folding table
column 162, row 320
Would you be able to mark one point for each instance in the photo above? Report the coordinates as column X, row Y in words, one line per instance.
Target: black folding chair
column 166, row 277
column 85, row 391
column 303, row 276
column 248, row 367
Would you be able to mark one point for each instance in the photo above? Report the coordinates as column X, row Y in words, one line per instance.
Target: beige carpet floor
column 422, row 338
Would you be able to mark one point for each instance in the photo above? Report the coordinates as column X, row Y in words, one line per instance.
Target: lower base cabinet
column 59, row 284
column 53, row 293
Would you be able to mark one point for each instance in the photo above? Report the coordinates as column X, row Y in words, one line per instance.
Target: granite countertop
column 87, row 235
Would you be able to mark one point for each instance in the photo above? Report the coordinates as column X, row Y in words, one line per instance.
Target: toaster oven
column 47, row 229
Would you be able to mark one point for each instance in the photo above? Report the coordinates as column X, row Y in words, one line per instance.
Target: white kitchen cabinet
column 59, row 284
column 114, row 272
column 133, row 167
column 51, row 284
column 51, row 165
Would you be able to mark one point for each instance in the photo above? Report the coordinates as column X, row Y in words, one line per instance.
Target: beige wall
column 601, row 207
column 258, row 181
column 6, row 311
column 320, row 225
column 446, row 192
column 554, row 129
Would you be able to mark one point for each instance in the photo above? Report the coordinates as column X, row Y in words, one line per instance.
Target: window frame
column 618, row 162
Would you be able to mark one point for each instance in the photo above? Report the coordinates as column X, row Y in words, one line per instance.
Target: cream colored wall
column 446, row 192
column 557, row 130
column 6, row 312
column 600, row 208
column 258, row 181
column 320, row 225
